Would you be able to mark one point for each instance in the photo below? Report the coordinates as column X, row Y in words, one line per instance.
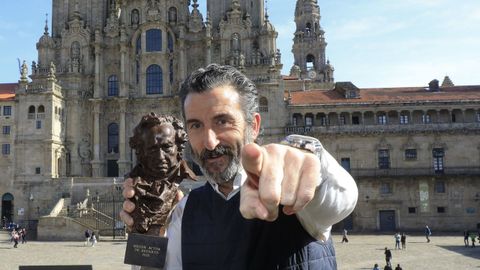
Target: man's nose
column 210, row 139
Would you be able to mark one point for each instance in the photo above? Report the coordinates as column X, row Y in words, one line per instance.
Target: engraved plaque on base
column 146, row 250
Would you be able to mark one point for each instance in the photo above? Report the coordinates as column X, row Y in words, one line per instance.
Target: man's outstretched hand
column 277, row 175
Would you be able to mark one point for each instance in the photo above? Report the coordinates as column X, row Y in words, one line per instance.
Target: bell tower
column 309, row 43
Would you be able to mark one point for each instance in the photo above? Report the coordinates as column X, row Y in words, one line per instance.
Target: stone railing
column 452, row 171
column 361, row 129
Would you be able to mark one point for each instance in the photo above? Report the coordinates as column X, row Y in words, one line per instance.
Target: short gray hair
column 214, row 75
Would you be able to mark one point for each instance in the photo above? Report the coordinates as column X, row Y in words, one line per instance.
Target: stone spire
column 447, row 82
column 309, row 43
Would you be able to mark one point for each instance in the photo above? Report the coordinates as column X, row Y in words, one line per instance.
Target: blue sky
column 373, row 43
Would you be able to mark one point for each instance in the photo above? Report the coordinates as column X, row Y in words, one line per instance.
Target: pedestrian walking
column 388, row 256
column 345, row 238
column 428, row 232
column 15, row 237
column 23, row 233
column 397, row 240
column 403, row 240
column 93, row 239
column 465, row 238
column 87, row 236
column 472, row 238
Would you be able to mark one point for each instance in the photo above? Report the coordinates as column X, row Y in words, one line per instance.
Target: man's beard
column 233, row 153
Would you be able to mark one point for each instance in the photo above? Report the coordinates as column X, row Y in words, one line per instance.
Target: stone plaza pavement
column 362, row 252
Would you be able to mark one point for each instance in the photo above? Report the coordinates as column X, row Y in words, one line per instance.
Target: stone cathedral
column 102, row 64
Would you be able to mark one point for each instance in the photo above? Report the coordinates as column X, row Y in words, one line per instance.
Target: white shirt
column 335, row 198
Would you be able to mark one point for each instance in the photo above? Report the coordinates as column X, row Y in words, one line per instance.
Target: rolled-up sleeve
column 335, row 198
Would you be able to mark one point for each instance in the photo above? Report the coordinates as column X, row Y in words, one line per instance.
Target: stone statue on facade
column 158, row 142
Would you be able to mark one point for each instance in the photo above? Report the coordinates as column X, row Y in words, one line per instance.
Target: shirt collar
column 238, row 181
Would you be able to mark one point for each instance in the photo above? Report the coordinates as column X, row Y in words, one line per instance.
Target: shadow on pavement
column 465, row 251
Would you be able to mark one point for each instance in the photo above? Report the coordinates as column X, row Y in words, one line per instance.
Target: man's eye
column 222, row 122
column 194, row 126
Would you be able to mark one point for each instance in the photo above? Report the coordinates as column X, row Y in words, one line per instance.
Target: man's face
column 216, row 129
column 159, row 150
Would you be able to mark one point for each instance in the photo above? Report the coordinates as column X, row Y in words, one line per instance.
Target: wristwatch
column 305, row 143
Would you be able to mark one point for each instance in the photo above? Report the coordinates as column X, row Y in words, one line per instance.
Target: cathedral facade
column 103, row 64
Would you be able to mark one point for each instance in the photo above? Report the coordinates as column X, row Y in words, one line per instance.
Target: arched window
column 310, row 62
column 170, row 71
column 112, row 86
column 154, row 80
column 31, row 112
column 138, row 45
column 154, row 40
column 263, row 104
column 75, row 50
column 135, row 17
column 40, row 112
column 113, row 138
column 172, row 15
column 308, row 27
column 170, row 42
column 309, row 119
column 235, row 42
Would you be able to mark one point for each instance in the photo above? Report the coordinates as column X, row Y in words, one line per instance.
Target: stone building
column 415, row 152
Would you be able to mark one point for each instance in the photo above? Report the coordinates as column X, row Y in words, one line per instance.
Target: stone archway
column 7, row 209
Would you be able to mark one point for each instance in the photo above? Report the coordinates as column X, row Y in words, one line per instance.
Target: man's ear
column 257, row 119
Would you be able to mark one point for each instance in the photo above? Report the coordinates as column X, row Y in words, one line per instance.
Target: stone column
column 97, row 167
column 123, row 162
column 98, row 53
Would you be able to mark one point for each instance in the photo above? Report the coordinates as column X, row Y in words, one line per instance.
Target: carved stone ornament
column 158, row 142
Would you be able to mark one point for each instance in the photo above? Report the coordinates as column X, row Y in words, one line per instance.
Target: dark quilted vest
column 216, row 236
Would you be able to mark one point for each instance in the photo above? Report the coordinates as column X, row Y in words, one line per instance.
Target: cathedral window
column 170, row 42
column 309, row 119
column 113, row 138
column 438, row 154
column 403, row 119
column 154, row 40
column 263, row 104
column 41, row 112
column 39, row 124
column 426, row 119
column 382, row 119
column 137, row 71
column 6, row 149
column 7, row 110
column 6, row 130
column 154, row 80
column 172, row 15
column 112, row 86
column 31, row 112
column 135, row 17
column 383, row 159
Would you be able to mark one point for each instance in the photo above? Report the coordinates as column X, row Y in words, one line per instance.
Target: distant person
column 93, row 239
column 15, row 237
column 403, row 240
column 345, row 238
column 472, row 238
column 397, row 240
column 87, row 236
column 23, row 233
column 398, row 267
column 465, row 238
column 388, row 256
column 375, row 267
column 428, row 232
column 387, row 267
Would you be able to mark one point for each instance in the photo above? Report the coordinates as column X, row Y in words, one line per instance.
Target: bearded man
column 263, row 207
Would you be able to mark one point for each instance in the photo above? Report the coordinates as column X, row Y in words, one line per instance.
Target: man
column 428, row 232
column 289, row 197
column 388, row 257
